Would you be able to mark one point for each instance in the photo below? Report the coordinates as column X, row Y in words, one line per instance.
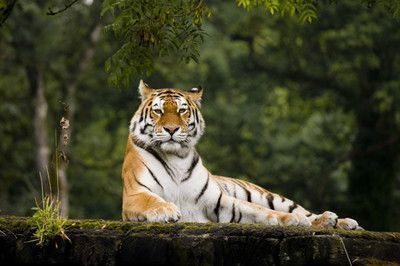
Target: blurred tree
column 37, row 46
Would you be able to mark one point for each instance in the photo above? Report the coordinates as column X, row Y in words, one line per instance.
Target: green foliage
column 148, row 29
column 48, row 221
column 306, row 9
column 393, row 6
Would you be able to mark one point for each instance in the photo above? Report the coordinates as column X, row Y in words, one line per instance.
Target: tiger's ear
column 195, row 95
column 144, row 90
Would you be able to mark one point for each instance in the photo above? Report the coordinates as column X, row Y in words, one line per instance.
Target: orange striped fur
column 165, row 180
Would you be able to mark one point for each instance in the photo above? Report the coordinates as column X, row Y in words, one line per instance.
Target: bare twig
column 50, row 11
column 6, row 11
column 344, row 248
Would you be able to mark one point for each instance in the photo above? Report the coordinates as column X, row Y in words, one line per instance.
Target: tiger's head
column 168, row 119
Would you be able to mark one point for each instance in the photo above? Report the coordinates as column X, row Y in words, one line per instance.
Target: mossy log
column 99, row 242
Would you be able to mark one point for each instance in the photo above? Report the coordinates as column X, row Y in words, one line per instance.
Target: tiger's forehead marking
column 169, row 96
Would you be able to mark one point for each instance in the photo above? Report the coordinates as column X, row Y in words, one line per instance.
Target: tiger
column 164, row 179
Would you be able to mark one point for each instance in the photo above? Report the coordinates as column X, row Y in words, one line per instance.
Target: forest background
column 308, row 110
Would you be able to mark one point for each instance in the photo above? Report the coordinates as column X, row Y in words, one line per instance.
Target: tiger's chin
column 173, row 147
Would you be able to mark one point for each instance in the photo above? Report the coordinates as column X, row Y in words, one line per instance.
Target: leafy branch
column 149, row 29
column 50, row 11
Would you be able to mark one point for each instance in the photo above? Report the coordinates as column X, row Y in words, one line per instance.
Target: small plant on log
column 47, row 217
column 48, row 221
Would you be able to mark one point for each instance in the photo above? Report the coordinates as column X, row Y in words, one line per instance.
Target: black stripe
column 234, row 191
column 270, row 199
column 164, row 164
column 196, row 115
column 233, row 213
column 308, row 215
column 142, row 130
column 283, row 199
column 203, row 189
column 192, row 166
column 141, row 184
column 194, row 133
column 248, row 194
column 152, row 174
column 138, row 142
column 292, row 207
column 134, row 126
column 240, row 217
column 216, row 209
column 168, row 93
column 141, row 116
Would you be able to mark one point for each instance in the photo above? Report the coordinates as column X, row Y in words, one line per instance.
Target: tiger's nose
column 171, row 129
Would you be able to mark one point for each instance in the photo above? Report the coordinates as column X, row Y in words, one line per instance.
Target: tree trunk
column 40, row 122
column 69, row 112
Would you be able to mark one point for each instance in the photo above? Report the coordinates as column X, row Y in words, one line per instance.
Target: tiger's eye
column 182, row 110
column 157, row 111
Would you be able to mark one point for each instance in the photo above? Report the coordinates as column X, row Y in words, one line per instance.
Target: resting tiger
column 164, row 179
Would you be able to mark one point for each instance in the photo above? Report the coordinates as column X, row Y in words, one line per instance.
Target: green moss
column 15, row 224
column 132, row 228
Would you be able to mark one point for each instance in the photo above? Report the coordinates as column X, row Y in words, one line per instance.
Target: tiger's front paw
column 162, row 212
column 348, row 224
column 295, row 219
column 287, row 219
column 326, row 220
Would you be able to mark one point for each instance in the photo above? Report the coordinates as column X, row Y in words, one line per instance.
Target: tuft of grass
column 48, row 221
column 47, row 218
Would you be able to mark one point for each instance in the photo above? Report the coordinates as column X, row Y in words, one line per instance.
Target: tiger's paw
column 348, row 224
column 272, row 219
column 326, row 220
column 165, row 212
column 295, row 219
column 303, row 220
column 286, row 219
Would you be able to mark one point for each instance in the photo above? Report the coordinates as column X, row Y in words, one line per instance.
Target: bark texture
column 40, row 123
column 69, row 112
column 98, row 242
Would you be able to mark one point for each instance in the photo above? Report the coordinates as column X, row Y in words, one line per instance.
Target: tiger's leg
column 140, row 204
column 247, row 191
column 146, row 206
column 229, row 209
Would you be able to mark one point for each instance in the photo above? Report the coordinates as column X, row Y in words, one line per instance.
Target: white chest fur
column 178, row 183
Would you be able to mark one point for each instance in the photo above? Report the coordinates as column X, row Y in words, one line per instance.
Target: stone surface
column 98, row 242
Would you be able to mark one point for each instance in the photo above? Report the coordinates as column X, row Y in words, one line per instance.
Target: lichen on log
column 100, row 242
